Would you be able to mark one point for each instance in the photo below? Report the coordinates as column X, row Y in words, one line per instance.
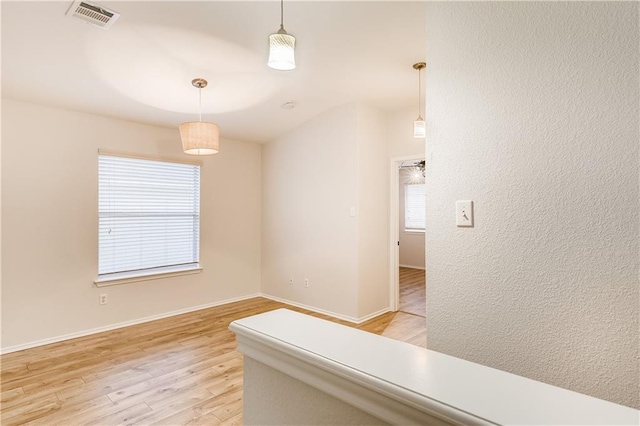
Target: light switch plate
column 464, row 213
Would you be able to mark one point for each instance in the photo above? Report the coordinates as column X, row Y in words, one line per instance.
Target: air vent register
column 93, row 14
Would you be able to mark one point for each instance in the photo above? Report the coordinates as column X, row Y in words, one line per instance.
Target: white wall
column 533, row 114
column 271, row 397
column 49, row 224
column 309, row 184
column 372, row 211
column 401, row 142
column 311, row 178
column 411, row 243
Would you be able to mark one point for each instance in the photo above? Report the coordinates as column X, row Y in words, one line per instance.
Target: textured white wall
column 533, row 114
column 411, row 243
column 50, row 216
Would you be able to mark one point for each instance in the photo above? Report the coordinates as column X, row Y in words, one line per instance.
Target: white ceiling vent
column 93, row 14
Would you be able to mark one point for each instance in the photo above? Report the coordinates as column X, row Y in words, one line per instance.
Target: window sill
column 154, row 274
column 414, row 231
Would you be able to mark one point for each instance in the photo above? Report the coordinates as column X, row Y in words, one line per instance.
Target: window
column 149, row 217
column 414, row 207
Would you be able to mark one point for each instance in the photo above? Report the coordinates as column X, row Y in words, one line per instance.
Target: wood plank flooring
column 182, row 370
column 413, row 291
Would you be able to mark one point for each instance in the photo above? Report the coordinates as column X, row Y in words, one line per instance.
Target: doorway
column 407, row 233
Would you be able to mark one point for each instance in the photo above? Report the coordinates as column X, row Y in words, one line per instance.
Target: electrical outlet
column 291, row 279
column 103, row 299
column 306, row 282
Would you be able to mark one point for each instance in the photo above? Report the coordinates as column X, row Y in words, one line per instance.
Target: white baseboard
column 324, row 312
column 373, row 315
column 96, row 330
column 310, row 308
column 83, row 333
column 412, row 267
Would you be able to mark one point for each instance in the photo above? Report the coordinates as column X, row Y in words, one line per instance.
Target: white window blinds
column 149, row 215
column 414, row 206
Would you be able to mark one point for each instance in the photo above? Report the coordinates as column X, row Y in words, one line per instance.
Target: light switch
column 464, row 213
column 352, row 212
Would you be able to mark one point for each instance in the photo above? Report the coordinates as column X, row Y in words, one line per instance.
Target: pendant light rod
column 420, row 92
column 199, row 83
column 282, row 14
column 419, row 66
column 200, row 105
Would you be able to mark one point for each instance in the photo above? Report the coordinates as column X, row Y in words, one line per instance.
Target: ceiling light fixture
column 198, row 137
column 282, row 47
column 419, row 127
column 414, row 170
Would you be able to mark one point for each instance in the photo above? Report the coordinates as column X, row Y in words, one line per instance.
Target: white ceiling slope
column 141, row 68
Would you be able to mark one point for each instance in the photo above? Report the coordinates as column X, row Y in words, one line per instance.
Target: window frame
column 116, row 278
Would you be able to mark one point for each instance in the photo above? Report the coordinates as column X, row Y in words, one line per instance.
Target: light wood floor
column 413, row 291
column 174, row 371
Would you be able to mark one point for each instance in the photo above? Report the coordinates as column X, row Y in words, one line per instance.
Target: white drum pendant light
column 198, row 137
column 282, row 47
column 419, row 127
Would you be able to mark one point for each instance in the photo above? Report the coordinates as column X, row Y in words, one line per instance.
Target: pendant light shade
column 282, row 51
column 282, row 47
column 199, row 137
column 419, row 126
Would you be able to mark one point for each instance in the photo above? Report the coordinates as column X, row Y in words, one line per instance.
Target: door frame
column 394, row 227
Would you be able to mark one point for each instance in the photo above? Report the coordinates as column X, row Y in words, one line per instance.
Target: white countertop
column 431, row 377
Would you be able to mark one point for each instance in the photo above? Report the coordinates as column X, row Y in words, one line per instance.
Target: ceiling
column 141, row 68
